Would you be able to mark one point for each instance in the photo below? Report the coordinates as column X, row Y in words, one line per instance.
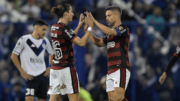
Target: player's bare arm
column 169, row 66
column 162, row 78
column 16, row 62
column 47, row 72
column 98, row 42
column 103, row 28
column 82, row 42
column 81, row 21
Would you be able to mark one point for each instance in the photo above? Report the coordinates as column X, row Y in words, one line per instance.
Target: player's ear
column 65, row 13
column 36, row 28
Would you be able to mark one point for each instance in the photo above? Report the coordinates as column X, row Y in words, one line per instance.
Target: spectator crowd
column 151, row 46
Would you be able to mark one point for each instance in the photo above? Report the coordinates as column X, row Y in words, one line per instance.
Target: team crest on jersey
column 121, row 28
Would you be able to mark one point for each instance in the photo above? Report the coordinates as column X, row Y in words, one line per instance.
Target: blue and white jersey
column 32, row 53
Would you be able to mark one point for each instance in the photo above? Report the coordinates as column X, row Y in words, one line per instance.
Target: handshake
column 88, row 21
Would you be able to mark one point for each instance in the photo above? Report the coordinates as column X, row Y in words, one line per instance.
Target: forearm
column 77, row 29
column 95, row 40
column 105, row 29
column 85, row 38
column 16, row 62
column 50, row 59
column 171, row 63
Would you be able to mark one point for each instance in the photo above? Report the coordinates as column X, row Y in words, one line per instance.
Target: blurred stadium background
column 155, row 32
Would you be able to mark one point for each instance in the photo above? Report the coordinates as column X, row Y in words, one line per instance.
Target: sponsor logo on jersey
column 54, row 28
column 54, row 35
column 35, row 60
column 66, row 31
column 111, row 44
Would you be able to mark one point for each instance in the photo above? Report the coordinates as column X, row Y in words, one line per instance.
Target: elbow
column 98, row 45
column 82, row 45
column 12, row 57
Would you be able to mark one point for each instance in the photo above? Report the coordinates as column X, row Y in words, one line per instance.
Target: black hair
column 40, row 22
column 116, row 8
column 59, row 10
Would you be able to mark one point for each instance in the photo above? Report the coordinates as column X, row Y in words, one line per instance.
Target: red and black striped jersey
column 177, row 54
column 117, row 48
column 62, row 37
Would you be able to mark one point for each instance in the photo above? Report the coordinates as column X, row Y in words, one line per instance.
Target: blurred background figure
column 155, row 32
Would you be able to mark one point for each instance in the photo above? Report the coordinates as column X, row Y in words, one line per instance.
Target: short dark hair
column 60, row 9
column 40, row 22
column 116, row 8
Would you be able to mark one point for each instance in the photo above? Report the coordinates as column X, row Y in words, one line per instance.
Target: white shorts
column 119, row 78
column 63, row 81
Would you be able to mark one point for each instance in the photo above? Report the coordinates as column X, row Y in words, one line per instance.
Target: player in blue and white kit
column 31, row 49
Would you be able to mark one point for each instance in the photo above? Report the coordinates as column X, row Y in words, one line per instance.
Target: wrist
column 21, row 70
column 89, row 28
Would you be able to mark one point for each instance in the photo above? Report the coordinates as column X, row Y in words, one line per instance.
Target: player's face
column 42, row 31
column 110, row 17
column 70, row 14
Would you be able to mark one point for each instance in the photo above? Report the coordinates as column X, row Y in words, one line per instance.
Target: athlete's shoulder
column 46, row 39
column 57, row 26
column 122, row 27
column 25, row 37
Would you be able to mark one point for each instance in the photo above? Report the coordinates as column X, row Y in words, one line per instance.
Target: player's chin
column 70, row 20
column 42, row 36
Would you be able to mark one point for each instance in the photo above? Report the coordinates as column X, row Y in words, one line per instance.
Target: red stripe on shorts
column 74, row 79
column 123, row 77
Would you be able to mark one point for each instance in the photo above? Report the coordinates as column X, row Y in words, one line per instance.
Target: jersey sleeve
column 49, row 48
column 173, row 60
column 68, row 34
column 104, row 39
column 177, row 54
column 19, row 46
column 122, row 30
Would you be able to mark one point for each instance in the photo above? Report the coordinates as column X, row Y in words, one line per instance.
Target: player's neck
column 34, row 35
column 116, row 24
column 63, row 20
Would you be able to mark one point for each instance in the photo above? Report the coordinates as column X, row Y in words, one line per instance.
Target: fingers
column 81, row 17
column 161, row 80
column 28, row 77
column 87, row 14
column 46, row 74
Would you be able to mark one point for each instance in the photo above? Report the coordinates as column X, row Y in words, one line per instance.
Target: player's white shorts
column 64, row 81
column 119, row 78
